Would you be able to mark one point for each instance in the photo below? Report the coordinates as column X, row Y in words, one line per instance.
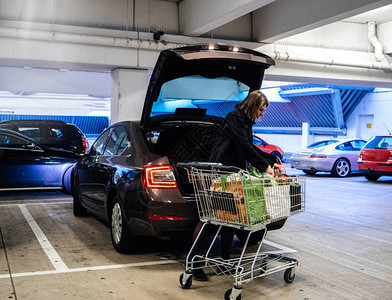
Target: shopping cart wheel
column 289, row 275
column 188, row 281
column 228, row 294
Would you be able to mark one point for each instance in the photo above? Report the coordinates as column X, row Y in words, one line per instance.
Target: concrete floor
column 342, row 242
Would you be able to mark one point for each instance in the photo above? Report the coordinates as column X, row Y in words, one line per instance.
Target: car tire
column 276, row 225
column 255, row 237
column 372, row 177
column 309, row 172
column 277, row 154
column 341, row 168
column 122, row 239
column 258, row 235
column 78, row 209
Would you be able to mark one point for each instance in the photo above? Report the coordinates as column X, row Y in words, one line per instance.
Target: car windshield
column 197, row 96
column 322, row 144
column 379, row 142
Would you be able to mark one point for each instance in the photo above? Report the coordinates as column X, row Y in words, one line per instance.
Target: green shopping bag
column 254, row 201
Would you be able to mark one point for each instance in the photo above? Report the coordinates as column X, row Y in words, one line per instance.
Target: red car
column 375, row 158
column 269, row 148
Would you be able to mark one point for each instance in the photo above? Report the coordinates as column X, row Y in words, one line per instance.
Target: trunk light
column 159, row 177
column 85, row 144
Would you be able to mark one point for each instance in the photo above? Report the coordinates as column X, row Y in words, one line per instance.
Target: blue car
column 24, row 164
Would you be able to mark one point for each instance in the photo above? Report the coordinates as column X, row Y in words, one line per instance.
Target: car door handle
column 1, row 153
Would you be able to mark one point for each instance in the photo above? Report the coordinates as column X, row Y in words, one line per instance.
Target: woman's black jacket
column 234, row 144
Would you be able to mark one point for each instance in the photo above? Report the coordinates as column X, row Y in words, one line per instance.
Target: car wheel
column 277, row 154
column 255, row 237
column 122, row 239
column 309, row 172
column 341, row 168
column 78, row 209
column 372, row 177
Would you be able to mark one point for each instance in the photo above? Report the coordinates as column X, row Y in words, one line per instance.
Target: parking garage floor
column 342, row 242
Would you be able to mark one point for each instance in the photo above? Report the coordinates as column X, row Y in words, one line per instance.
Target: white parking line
column 60, row 266
column 53, row 256
column 133, row 265
column 141, row 264
column 63, row 201
column 283, row 249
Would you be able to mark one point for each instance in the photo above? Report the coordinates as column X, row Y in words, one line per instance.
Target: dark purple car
column 130, row 178
column 25, row 164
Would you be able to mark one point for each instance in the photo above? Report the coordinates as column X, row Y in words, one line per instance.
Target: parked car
column 269, row 148
column 375, row 158
column 130, row 176
column 50, row 133
column 25, row 164
column 336, row 156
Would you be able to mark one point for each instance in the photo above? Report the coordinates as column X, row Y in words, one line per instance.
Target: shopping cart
column 229, row 196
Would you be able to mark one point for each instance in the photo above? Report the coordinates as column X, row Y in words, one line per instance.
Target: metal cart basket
column 229, row 196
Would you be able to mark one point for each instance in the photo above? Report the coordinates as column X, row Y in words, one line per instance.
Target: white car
column 336, row 156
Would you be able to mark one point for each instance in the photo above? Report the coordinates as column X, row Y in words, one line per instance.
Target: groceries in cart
column 244, row 198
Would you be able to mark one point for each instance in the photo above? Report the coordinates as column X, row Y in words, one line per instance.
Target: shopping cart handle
column 208, row 166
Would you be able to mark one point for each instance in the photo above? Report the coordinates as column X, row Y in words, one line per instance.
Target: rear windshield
column 196, row 96
column 322, row 144
column 58, row 133
column 379, row 142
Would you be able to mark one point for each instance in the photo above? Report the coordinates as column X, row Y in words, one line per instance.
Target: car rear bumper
column 167, row 216
column 377, row 168
column 313, row 164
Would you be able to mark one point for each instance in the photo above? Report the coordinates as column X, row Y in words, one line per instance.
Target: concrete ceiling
column 40, row 37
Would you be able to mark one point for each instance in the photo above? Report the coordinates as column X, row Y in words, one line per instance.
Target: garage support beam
column 200, row 16
column 305, row 135
column 129, row 88
column 282, row 19
column 337, row 109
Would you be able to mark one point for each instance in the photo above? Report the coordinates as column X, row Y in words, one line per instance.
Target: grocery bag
column 277, row 201
column 295, row 196
column 254, row 201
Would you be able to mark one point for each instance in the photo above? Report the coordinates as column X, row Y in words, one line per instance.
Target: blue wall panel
column 87, row 124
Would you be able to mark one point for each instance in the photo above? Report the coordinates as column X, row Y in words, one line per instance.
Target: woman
column 234, row 147
column 234, row 143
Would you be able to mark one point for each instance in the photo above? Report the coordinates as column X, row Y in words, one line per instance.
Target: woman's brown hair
column 252, row 103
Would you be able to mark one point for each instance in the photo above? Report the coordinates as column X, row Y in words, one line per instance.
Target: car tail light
column 318, row 156
column 159, row 177
column 162, row 217
column 390, row 155
column 85, row 144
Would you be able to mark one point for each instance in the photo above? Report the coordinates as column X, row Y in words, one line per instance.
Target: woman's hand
column 269, row 171
column 278, row 170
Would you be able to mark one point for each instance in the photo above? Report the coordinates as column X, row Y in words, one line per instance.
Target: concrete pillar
column 129, row 87
column 305, row 135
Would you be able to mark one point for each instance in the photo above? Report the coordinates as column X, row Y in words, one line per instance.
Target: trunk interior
column 183, row 142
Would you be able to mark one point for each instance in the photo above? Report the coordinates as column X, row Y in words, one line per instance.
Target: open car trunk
column 186, row 142
column 191, row 90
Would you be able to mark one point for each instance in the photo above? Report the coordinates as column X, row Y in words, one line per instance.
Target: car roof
column 241, row 64
column 33, row 121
